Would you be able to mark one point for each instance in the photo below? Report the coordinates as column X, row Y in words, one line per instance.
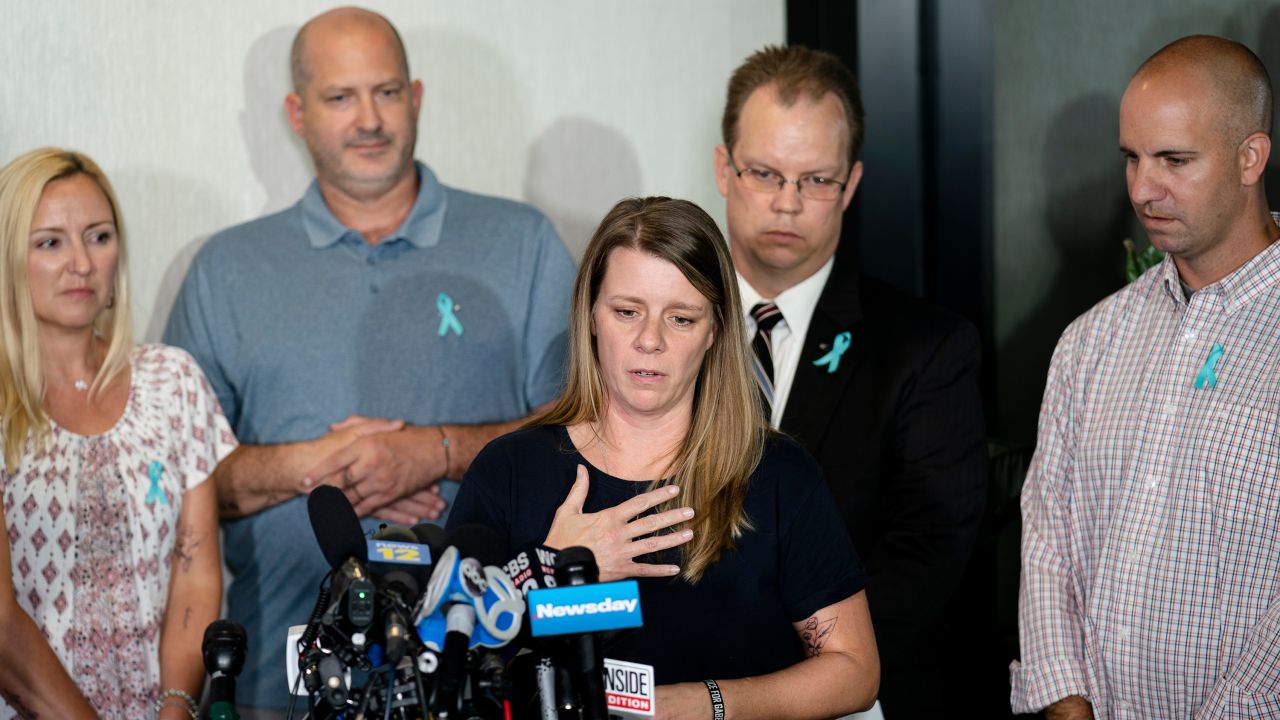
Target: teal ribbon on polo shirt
column 155, row 494
column 838, row 348
column 1207, row 377
column 448, row 321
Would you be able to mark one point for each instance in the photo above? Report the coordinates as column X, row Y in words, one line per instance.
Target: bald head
column 1230, row 78
column 313, row 37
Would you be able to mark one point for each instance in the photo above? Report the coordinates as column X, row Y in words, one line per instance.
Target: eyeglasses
column 810, row 187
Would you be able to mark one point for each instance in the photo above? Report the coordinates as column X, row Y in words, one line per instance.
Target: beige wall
column 567, row 104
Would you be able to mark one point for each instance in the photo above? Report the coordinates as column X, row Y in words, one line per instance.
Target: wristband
column 717, row 699
column 444, row 440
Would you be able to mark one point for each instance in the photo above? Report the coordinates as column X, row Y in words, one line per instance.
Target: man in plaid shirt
column 1151, row 541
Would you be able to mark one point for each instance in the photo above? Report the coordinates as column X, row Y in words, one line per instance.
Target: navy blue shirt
column 737, row 620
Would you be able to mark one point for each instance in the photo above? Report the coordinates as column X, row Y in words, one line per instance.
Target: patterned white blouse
column 92, row 523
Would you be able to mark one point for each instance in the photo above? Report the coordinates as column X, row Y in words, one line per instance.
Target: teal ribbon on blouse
column 1207, row 377
column 448, row 321
column 838, row 348
column 155, row 494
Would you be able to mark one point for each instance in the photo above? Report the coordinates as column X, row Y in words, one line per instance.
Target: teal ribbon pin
column 1206, row 377
column 155, row 494
column 838, row 348
column 448, row 321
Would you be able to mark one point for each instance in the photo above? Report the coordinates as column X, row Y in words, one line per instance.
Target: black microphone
column 399, row 583
column 336, row 525
column 577, row 566
column 224, row 647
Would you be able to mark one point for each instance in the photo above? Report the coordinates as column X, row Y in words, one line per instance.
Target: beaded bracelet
column 717, row 699
column 168, row 696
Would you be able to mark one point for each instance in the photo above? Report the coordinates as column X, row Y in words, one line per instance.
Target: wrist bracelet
column 168, row 696
column 444, row 440
column 717, row 699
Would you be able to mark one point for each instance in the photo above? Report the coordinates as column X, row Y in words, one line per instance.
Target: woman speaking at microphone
column 658, row 447
column 109, row 536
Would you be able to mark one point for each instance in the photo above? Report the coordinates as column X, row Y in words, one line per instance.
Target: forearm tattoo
column 185, row 546
column 815, row 634
column 16, row 704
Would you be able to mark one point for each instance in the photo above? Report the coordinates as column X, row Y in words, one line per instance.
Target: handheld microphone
column 335, row 524
column 224, row 647
column 577, row 566
column 469, row 602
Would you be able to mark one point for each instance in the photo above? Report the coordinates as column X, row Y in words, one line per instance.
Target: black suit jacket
column 899, row 432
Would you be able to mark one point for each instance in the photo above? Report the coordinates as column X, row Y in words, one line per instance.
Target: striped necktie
column 766, row 315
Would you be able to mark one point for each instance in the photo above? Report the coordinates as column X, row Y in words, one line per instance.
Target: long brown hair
column 727, row 432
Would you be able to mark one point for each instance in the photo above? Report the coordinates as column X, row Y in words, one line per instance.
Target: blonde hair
column 726, row 435
column 22, row 381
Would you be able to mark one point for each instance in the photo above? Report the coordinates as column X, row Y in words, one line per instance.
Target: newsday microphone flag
column 576, row 609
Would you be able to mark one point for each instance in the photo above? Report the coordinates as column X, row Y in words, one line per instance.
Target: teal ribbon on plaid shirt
column 1207, row 376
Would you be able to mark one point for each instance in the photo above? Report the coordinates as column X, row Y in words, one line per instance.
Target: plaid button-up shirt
column 1151, row 513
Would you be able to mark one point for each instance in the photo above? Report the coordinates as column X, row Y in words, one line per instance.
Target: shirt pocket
column 1239, row 462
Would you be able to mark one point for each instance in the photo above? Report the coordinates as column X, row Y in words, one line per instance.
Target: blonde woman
column 755, row 591
column 110, row 532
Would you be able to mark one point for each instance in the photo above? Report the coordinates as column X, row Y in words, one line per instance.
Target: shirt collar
column 797, row 302
column 1239, row 287
column 421, row 227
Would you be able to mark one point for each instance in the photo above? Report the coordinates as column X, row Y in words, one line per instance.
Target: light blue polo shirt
column 459, row 316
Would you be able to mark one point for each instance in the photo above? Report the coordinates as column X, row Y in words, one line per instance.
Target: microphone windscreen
column 479, row 542
column 433, row 536
column 336, row 525
column 576, row 565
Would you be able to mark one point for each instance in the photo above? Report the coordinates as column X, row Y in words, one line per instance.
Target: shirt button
column 1153, row 482
column 1123, row 632
column 373, row 288
column 1170, row 409
column 1190, row 335
column 370, row 260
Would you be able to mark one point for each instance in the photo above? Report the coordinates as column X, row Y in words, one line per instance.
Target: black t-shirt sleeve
column 817, row 563
column 485, row 495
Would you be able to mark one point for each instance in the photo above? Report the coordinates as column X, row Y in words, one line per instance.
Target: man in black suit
column 880, row 387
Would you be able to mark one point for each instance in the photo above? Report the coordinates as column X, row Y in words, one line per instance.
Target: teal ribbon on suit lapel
column 838, row 347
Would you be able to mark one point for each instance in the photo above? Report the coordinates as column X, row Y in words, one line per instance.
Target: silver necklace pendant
column 80, row 385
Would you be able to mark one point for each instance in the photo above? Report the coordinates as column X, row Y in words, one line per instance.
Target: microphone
column 224, row 647
column 335, row 524
column 577, row 566
column 577, row 608
column 469, row 602
column 533, row 568
column 398, row 580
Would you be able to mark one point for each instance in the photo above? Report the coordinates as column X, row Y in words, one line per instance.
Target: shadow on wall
column 1087, row 215
column 1268, row 49
column 278, row 157
column 578, row 170
column 182, row 194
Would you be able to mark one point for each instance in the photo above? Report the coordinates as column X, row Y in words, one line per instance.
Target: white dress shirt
column 797, row 304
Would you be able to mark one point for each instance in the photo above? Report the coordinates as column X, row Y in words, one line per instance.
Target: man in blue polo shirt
column 374, row 336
